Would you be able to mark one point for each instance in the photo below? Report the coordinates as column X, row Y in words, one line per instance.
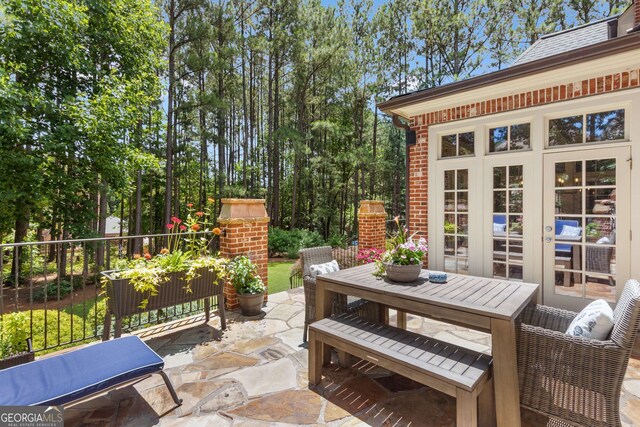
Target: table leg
column 383, row 315
column 401, row 319
column 324, row 306
column 324, row 301
column 505, row 373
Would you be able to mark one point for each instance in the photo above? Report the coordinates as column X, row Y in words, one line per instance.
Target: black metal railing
column 56, row 284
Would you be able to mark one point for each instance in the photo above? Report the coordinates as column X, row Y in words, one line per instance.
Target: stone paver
column 255, row 375
column 268, row 378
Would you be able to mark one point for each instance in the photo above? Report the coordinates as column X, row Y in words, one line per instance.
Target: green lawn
column 279, row 276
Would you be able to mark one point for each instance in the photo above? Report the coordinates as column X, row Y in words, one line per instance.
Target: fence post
column 372, row 229
column 245, row 226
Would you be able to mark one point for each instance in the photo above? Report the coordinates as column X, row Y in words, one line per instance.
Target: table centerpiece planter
column 403, row 273
column 403, row 261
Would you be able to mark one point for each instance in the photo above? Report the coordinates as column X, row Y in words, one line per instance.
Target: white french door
column 509, row 219
column 586, row 223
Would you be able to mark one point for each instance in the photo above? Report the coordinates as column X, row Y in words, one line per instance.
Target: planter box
column 124, row 300
column 19, row 359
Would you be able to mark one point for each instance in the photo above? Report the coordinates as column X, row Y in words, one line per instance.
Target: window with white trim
column 587, row 128
column 457, row 145
column 510, row 138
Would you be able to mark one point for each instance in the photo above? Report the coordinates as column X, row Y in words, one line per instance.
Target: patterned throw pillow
column 570, row 231
column 595, row 321
column 327, row 267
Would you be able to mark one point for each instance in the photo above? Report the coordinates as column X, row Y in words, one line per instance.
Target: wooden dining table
column 480, row 303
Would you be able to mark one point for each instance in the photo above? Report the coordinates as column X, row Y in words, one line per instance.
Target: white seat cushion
column 570, row 231
column 595, row 321
column 327, row 267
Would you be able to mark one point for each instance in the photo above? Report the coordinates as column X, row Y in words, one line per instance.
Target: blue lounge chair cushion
column 80, row 373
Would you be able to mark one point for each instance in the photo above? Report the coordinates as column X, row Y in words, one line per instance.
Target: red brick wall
column 636, row 6
column 244, row 236
column 372, row 230
column 418, row 154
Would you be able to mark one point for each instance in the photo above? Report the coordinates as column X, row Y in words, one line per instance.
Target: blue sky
column 376, row 3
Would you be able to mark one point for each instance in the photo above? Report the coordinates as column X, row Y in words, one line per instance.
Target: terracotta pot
column 403, row 273
column 251, row 304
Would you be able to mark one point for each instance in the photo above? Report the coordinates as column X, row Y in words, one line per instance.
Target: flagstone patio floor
column 255, row 374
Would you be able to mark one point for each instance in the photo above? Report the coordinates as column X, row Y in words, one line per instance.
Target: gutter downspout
column 410, row 139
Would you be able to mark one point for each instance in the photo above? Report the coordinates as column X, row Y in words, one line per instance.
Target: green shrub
column 281, row 241
column 291, row 241
column 14, row 331
column 52, row 289
column 310, row 239
column 337, row 241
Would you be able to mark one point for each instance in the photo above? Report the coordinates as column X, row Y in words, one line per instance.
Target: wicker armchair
column 342, row 303
column 574, row 380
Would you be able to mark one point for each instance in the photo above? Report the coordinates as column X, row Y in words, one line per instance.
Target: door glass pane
column 606, row 126
column 601, row 201
column 500, row 177
column 508, row 222
column 569, row 201
column 568, row 174
column 515, row 176
column 520, row 137
column 600, row 230
column 500, row 201
column 463, row 179
column 601, row 172
column 515, row 201
column 565, row 131
column 449, row 201
column 456, row 221
column 498, row 139
column 585, row 229
column 449, row 180
column 463, row 201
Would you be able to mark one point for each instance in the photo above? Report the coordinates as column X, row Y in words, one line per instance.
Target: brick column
column 244, row 224
column 372, row 229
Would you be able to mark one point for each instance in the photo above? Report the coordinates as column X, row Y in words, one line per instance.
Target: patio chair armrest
column 574, row 360
column 547, row 317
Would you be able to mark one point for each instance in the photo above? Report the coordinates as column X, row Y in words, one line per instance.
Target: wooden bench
column 458, row 372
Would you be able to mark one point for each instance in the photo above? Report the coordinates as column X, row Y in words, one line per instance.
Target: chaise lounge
column 81, row 374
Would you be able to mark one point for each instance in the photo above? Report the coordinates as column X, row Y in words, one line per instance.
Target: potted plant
column 402, row 262
column 15, row 343
column 243, row 276
column 182, row 272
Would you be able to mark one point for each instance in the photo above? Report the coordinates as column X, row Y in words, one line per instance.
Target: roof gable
column 567, row 40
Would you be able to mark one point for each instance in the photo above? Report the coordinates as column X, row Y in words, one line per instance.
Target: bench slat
column 459, row 366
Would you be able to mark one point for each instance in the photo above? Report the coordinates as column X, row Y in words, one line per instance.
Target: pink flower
column 189, row 205
column 176, row 219
column 182, row 228
column 170, row 226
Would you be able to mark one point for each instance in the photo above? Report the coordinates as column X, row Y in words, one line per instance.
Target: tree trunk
column 169, row 136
